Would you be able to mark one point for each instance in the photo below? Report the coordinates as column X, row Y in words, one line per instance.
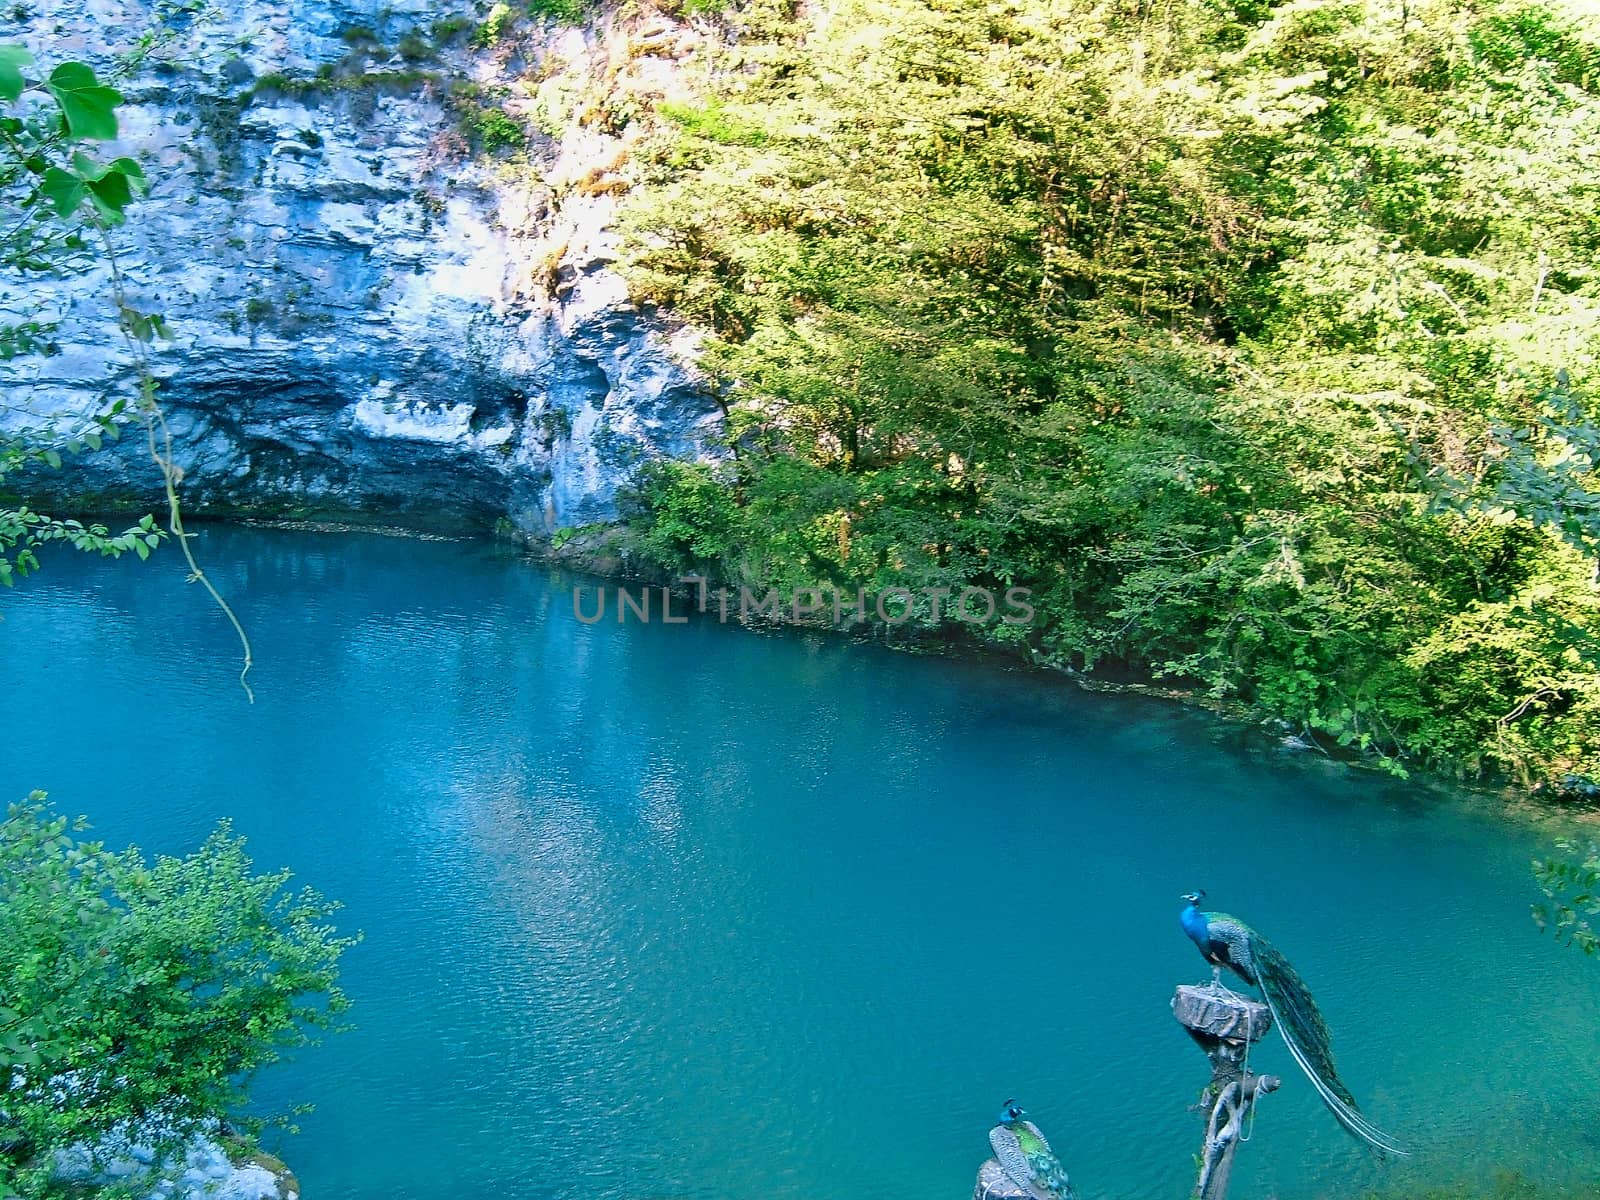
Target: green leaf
column 12, row 59
column 109, row 204
column 87, row 107
column 123, row 173
column 124, row 166
column 63, row 190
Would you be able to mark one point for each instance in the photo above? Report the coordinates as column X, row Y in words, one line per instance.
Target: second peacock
column 1226, row 941
column 1026, row 1158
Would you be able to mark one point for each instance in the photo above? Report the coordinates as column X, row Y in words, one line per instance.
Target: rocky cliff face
column 369, row 314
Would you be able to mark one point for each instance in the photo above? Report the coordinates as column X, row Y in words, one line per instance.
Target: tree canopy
column 137, row 998
column 1256, row 339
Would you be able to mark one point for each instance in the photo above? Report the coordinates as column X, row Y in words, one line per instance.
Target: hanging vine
column 54, row 189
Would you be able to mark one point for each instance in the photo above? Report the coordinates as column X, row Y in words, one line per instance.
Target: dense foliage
column 1257, row 339
column 137, row 998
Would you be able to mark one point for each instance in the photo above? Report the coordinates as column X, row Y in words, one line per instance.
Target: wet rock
column 207, row 1170
column 1578, row 787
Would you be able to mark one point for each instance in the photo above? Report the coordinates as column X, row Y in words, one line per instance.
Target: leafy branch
column 58, row 189
column 1545, row 471
column 139, row 997
column 1571, row 886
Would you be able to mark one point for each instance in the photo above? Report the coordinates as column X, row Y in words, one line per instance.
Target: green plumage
column 1291, row 1001
column 1026, row 1158
column 1031, row 1146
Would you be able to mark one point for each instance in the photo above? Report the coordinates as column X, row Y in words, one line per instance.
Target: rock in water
column 994, row 1184
column 207, row 1172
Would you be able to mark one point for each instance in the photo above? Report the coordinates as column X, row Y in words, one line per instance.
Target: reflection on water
column 689, row 912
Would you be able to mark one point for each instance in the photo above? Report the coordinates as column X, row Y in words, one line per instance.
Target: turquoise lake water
column 657, row 912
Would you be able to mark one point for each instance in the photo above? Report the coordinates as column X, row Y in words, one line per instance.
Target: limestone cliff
column 370, row 313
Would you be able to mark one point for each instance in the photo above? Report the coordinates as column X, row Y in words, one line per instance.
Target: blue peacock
column 1228, row 942
column 1025, row 1156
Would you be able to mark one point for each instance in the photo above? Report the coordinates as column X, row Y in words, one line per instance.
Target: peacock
column 1025, row 1156
column 1228, row 942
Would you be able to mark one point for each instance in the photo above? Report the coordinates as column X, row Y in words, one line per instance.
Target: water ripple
column 661, row 914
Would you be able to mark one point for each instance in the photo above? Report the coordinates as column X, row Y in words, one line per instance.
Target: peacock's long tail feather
column 1049, row 1174
column 1306, row 1035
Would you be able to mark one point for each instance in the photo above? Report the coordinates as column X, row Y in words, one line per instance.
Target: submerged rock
column 1577, row 787
column 365, row 319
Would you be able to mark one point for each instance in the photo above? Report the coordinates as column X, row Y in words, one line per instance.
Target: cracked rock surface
column 365, row 320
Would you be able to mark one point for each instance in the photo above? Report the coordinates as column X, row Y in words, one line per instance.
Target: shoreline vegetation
column 610, row 557
column 1258, row 342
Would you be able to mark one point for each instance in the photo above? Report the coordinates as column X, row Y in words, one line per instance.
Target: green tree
column 1546, row 472
column 138, row 998
column 1178, row 316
